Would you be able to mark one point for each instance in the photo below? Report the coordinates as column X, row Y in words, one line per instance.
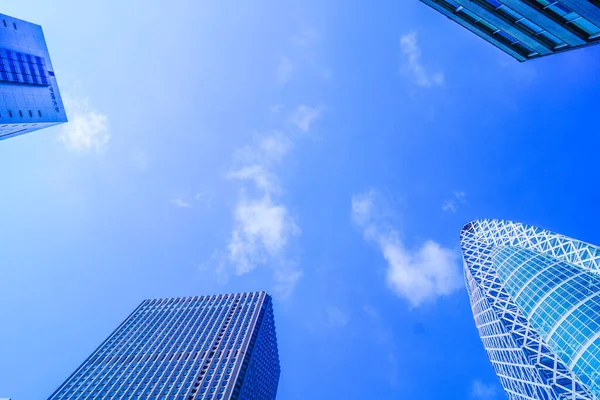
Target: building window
column 4, row 22
column 523, row 24
column 15, row 25
column 576, row 22
column 10, row 113
column 17, row 67
column 489, row 28
column 30, row 114
column 39, row 113
column 20, row 113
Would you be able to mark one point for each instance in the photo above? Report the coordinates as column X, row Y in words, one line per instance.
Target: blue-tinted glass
column 510, row 14
column 586, row 26
column 536, row 302
column 541, row 15
column 163, row 342
column 24, row 61
column 494, row 3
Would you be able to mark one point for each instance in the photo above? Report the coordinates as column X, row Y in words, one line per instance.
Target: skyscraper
column 29, row 95
column 527, row 29
column 191, row 348
column 535, row 296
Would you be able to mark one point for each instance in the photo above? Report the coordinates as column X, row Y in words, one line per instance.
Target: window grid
column 568, row 17
column 22, row 68
column 195, row 348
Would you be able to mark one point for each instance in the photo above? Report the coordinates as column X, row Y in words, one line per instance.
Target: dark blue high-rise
column 189, row 348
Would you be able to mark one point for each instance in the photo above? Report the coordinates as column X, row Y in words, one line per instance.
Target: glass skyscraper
column 527, row 29
column 190, row 348
column 29, row 95
column 535, row 296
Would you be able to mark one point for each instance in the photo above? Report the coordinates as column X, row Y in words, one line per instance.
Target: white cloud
column 371, row 312
column 452, row 204
column 337, row 318
column 276, row 108
column 284, row 70
column 304, row 116
column 204, row 198
column 181, row 203
column 262, row 230
column 304, row 57
column 267, row 150
column 362, row 207
column 87, row 128
column 481, row 391
column 263, row 226
column 262, row 178
column 412, row 54
column 286, row 277
column 274, row 147
column 419, row 275
column 305, row 38
column 255, row 162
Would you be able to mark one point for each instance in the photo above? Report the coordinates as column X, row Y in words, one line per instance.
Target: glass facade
column 191, row 348
column 535, row 297
column 527, row 29
column 29, row 95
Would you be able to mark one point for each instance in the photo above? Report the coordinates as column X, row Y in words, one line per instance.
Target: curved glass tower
column 535, row 296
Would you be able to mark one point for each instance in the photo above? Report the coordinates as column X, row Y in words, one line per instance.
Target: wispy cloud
column 276, row 108
column 200, row 198
column 284, row 70
column 204, row 198
column 263, row 225
column 453, row 203
column 286, row 276
column 181, row 203
column 300, row 58
column 337, row 318
column 482, row 391
column 412, row 59
column 87, row 129
column 266, row 151
column 262, row 230
column 256, row 162
column 418, row 275
column 262, row 177
column 304, row 116
column 305, row 38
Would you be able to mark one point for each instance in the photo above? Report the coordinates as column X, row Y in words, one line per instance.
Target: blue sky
column 327, row 152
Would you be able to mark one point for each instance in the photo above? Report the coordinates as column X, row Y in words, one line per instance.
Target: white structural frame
column 526, row 366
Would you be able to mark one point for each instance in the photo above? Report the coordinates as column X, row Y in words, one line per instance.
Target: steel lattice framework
column 528, row 367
